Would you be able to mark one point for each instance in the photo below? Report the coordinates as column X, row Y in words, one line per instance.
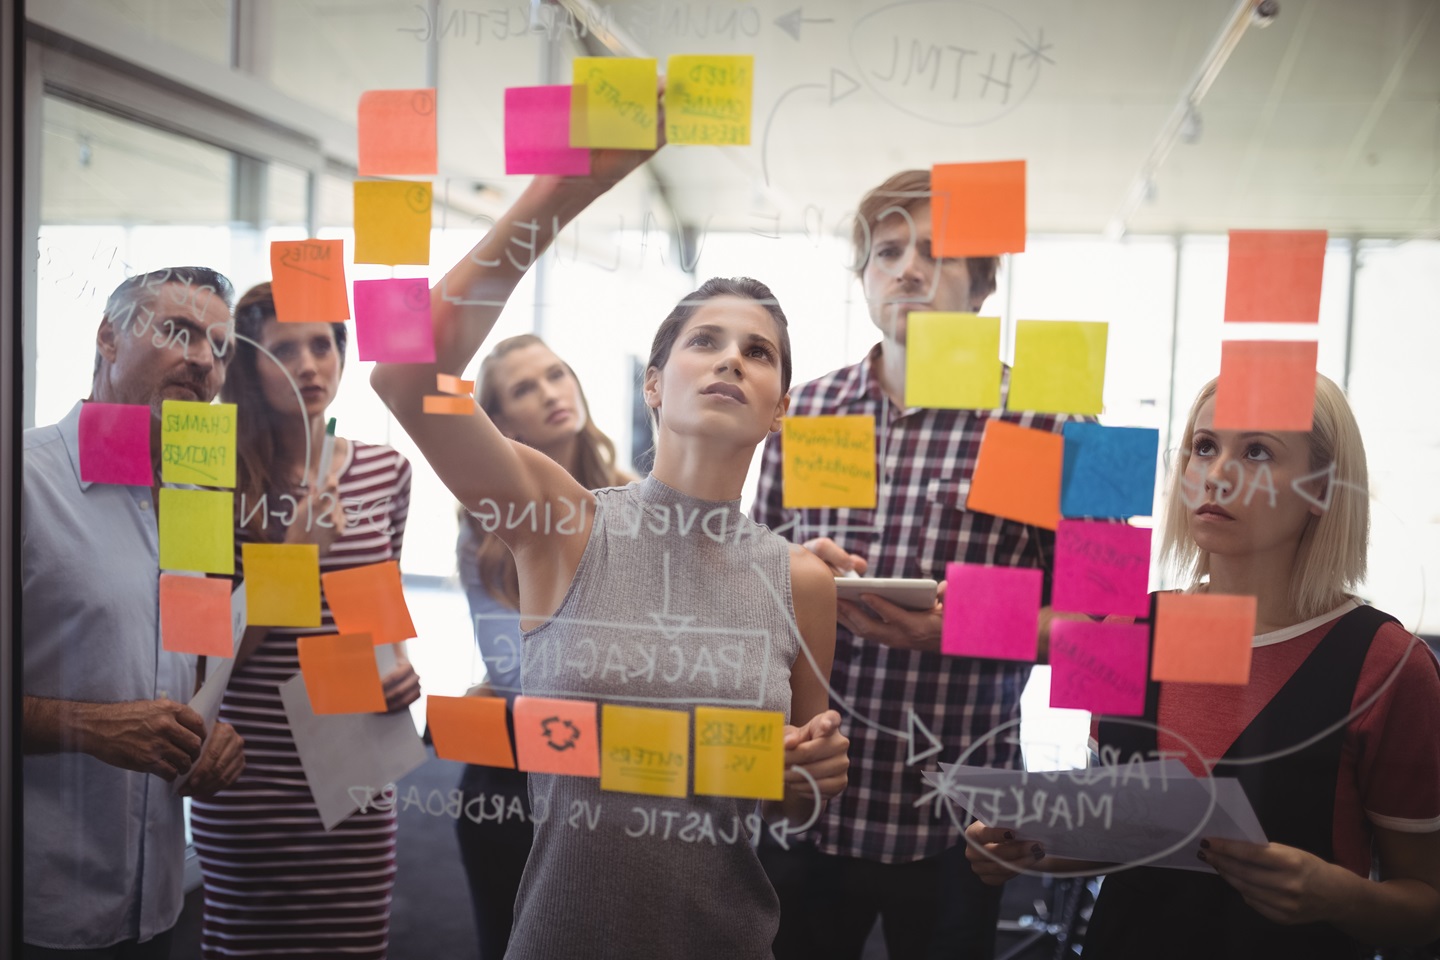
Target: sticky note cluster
column 828, row 461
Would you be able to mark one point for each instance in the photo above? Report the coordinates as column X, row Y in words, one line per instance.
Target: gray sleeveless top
column 668, row 609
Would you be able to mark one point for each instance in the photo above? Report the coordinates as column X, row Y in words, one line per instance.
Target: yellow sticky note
column 708, row 99
column 282, row 584
column 392, row 222
column 829, row 461
column 618, row 108
column 739, row 753
column 952, row 361
column 197, row 530
column 197, row 443
column 1059, row 366
column 644, row 750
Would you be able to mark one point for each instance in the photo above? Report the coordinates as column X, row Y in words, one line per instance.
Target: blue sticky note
column 1109, row 472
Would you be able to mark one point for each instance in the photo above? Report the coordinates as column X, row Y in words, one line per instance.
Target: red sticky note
column 557, row 736
column 341, row 675
column 1203, row 638
column 195, row 615
column 1101, row 568
column 369, row 599
column 1098, row 667
column 397, row 133
column 115, row 444
column 308, row 281
column 537, row 132
column 1274, row 276
column 1266, row 385
column 470, row 729
column 392, row 321
column 1017, row 474
column 991, row 612
column 978, row 209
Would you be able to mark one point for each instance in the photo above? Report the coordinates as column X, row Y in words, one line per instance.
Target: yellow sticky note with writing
column 282, row 584
column 739, row 753
column 643, row 750
column 618, row 106
column 1059, row 366
column 197, row 530
column 197, row 443
column 392, row 222
column 952, row 361
column 708, row 99
column 829, row 461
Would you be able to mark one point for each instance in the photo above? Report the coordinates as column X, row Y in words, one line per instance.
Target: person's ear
column 106, row 341
column 781, row 409
column 652, row 389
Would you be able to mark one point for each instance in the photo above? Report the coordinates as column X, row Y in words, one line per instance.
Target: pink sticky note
column 115, row 444
column 991, row 612
column 537, row 133
column 1101, row 568
column 392, row 321
column 1099, row 667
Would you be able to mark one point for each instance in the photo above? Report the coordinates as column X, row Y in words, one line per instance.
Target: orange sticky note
column 341, row 674
column 978, row 209
column 446, row 383
column 1273, row 276
column 557, row 736
column 470, row 729
column 446, row 404
column 369, row 599
column 308, row 281
column 195, row 615
column 1017, row 474
column 1266, row 385
column 397, row 133
column 1203, row 638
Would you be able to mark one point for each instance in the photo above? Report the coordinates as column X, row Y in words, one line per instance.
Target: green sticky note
column 282, row 584
column 708, row 99
column 1059, row 366
column 618, row 106
column 197, row 530
column 952, row 361
column 197, row 442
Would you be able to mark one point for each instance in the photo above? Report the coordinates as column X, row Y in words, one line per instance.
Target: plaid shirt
column 924, row 460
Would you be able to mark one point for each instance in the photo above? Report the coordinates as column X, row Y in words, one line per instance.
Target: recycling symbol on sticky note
column 559, row 740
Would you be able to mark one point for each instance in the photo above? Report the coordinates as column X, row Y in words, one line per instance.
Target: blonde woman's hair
column 1330, row 561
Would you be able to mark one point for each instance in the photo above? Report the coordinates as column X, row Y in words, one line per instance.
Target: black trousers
column 494, row 856
column 156, row 948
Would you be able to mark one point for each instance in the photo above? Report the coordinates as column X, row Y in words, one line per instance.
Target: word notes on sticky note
column 991, row 612
column 978, row 209
column 470, row 730
column 197, row 530
column 282, row 584
column 557, row 736
column 1101, row 568
column 1017, row 474
column 308, row 281
column 1266, row 385
column 1274, row 276
column 614, row 105
column 1108, row 471
column 195, row 615
column 1203, row 638
column 537, row 133
column 392, row 222
column 392, row 321
column 828, row 461
column 341, row 675
column 708, row 99
column 1059, row 366
column 952, row 361
column 1099, row 667
column 397, row 133
column 739, row 753
column 115, row 444
column 643, row 750
column 197, row 443
column 369, row 599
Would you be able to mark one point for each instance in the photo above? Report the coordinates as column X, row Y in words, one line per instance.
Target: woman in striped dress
column 276, row 883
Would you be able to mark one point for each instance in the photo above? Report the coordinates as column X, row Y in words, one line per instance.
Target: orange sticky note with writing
column 1266, row 385
column 1273, row 276
column 448, row 383
column 308, row 281
column 557, row 736
column 1203, row 638
column 369, row 599
column 470, row 729
column 1017, row 474
column 195, row 615
column 341, row 675
column 977, row 209
column 397, row 133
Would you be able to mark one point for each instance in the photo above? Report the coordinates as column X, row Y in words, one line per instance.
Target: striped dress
column 276, row 884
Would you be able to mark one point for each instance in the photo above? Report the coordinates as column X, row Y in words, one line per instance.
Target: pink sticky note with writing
column 115, row 444
column 537, row 132
column 991, row 612
column 1101, row 568
column 1099, row 667
column 392, row 321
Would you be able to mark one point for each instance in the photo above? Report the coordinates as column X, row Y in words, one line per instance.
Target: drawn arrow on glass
column 781, row 831
column 841, row 85
column 790, row 22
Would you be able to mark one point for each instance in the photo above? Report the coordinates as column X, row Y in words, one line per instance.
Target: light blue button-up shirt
column 104, row 847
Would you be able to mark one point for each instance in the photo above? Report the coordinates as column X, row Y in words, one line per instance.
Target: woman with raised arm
column 1337, row 720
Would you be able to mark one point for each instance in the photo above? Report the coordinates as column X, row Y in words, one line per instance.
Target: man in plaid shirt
column 874, row 851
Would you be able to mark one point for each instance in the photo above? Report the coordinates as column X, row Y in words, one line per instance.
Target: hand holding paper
column 222, row 760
